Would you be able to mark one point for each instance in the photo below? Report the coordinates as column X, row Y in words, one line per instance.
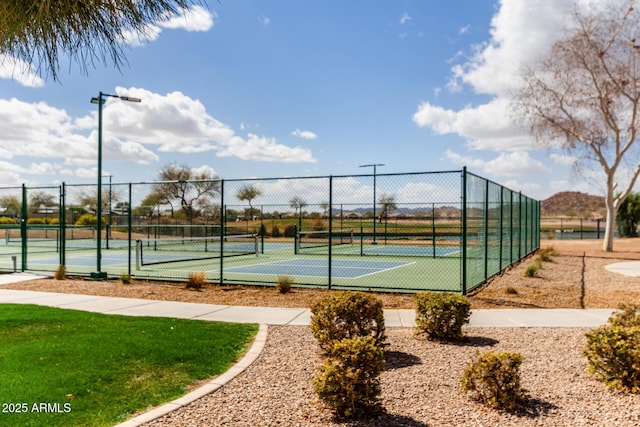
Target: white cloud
column 177, row 123
column 464, row 30
column 405, row 18
column 196, row 18
column 505, row 164
column 305, row 134
column 18, row 70
column 54, row 141
column 563, row 159
column 264, row 20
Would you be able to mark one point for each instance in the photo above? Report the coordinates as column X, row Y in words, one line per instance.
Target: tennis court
column 447, row 231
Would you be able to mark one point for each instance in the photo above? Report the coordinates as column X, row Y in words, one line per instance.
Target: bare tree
column 585, row 96
column 191, row 187
column 298, row 203
column 38, row 32
column 249, row 192
column 388, row 203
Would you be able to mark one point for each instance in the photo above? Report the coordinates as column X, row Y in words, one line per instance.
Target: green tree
column 629, row 216
column 585, row 94
column 41, row 199
column 39, row 32
column 249, row 192
column 10, row 205
column 186, row 186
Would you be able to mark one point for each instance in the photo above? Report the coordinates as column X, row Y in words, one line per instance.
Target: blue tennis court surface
column 346, row 269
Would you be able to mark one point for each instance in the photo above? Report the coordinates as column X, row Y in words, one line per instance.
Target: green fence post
column 463, row 267
column 62, row 225
column 485, row 230
column 223, row 221
column 23, row 229
column 330, row 230
column 129, row 234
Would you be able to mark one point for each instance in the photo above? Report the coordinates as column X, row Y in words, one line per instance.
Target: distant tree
column 249, row 192
column 629, row 216
column 39, row 199
column 585, row 94
column 298, row 203
column 388, row 203
column 89, row 199
column 39, row 32
column 11, row 205
column 189, row 187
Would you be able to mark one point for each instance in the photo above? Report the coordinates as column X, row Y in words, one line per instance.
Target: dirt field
column 575, row 278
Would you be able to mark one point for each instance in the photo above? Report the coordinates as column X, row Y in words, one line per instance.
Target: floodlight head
column 130, row 99
column 95, row 100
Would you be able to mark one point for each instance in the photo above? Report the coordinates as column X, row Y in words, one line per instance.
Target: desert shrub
column 319, row 225
column 283, row 284
column 53, row 221
column 441, row 315
column 613, row 350
column 348, row 381
column 510, row 290
column 88, row 219
column 36, row 221
column 275, row 231
column 545, row 254
column 7, row 220
column 61, row 272
column 532, row 269
column 125, row 278
column 197, row 280
column 290, row 231
column 494, row 378
column 347, row 315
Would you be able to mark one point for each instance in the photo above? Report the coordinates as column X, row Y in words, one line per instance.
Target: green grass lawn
column 72, row 368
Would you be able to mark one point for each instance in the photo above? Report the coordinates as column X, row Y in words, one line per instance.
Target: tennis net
column 322, row 239
column 165, row 250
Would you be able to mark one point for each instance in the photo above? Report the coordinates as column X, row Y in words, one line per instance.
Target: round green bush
column 495, row 379
column 613, row 350
column 349, row 380
column 347, row 315
column 7, row 220
column 442, row 314
column 36, row 221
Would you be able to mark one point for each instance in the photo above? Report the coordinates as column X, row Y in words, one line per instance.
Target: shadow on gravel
column 388, row 420
column 399, row 360
column 535, row 408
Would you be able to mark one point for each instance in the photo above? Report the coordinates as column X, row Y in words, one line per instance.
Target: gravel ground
column 420, row 386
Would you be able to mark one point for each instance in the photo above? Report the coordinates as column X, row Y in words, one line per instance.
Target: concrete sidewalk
column 293, row 316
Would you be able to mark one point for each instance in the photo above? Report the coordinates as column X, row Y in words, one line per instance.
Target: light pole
column 99, row 274
column 374, row 166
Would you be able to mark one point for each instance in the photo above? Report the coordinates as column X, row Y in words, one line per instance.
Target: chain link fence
column 445, row 231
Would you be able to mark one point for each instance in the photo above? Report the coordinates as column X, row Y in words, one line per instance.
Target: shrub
column 546, row 254
column 495, row 379
column 283, row 284
column 348, row 382
column 442, row 315
column 290, row 231
column 88, row 219
column 61, row 273
column 347, row 315
column 510, row 290
column 613, row 350
column 125, row 278
column 197, row 280
column 275, row 231
column 532, row 270
column 7, row 220
column 36, row 221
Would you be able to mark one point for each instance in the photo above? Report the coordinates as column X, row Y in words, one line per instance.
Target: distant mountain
column 573, row 203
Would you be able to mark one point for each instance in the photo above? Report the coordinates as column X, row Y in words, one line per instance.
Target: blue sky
column 253, row 88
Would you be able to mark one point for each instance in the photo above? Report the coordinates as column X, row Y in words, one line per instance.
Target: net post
column 296, row 240
column 138, row 254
